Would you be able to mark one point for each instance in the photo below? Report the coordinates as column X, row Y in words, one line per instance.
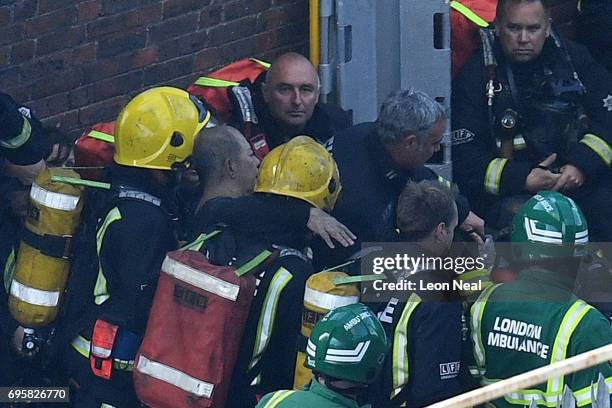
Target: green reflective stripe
column 583, row 396
column 265, row 325
column 105, row 405
column 21, row 138
column 493, row 175
column 524, row 398
column 265, row 64
column 96, row 134
column 197, row 244
column 599, row 146
column 400, row 346
column 214, row 82
column 444, row 181
column 81, row 182
column 469, row 14
column 277, row 398
column 570, row 321
column 101, row 294
column 253, row 263
column 476, row 314
column 357, row 279
column 9, row 270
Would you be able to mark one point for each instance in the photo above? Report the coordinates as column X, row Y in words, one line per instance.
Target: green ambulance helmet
column 348, row 343
column 549, row 225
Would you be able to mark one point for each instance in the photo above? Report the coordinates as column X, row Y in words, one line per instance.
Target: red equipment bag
column 95, row 149
column 212, row 89
column 193, row 334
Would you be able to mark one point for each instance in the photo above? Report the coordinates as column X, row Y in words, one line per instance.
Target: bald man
column 286, row 101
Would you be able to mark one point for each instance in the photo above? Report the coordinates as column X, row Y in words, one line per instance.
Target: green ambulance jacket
column 532, row 322
column 314, row 395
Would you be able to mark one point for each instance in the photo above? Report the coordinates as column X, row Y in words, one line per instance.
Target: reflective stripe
column 174, row 377
column 493, row 175
column 583, row 396
column 197, row 244
column 34, row 296
column 327, row 301
column 277, row 398
column 476, row 313
column 9, row 270
column 82, row 346
column 469, row 14
column 253, row 263
column 444, row 181
column 96, row 134
column 214, row 82
column 265, row 64
column 21, row 138
column 347, row 356
column 200, row 279
column 599, row 146
column 400, row 346
column 53, row 200
column 101, row 294
column 105, row 405
column 268, row 313
column 570, row 321
column 518, row 143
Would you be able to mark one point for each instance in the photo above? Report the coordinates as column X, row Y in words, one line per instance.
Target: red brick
column 115, row 23
column 50, row 22
column 47, row 66
column 5, row 15
column 20, row 93
column 210, row 16
column 103, row 111
column 233, row 10
column 83, row 54
column 64, row 121
column 122, row 43
column 206, row 59
column 143, row 57
column 182, row 82
column 56, row 83
column 236, row 50
column 88, row 10
column 23, row 51
column 119, row 85
column 46, row 6
column 173, row 27
column 185, row 44
column 164, row 71
column 117, row 6
column 51, row 105
column 173, row 8
column 80, row 97
column 5, row 53
column 225, row 33
column 9, row 77
column 150, row 14
column 11, row 34
column 24, row 10
column 60, row 39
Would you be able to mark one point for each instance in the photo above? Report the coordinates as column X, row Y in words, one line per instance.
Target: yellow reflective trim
column 96, row 134
column 214, row 82
column 469, row 14
column 278, row 397
column 9, row 269
column 476, row 313
column 599, row 146
column 571, row 319
column 583, row 395
column 101, row 294
column 493, row 175
column 265, row 64
column 197, row 244
column 21, row 138
column 400, row 346
column 265, row 325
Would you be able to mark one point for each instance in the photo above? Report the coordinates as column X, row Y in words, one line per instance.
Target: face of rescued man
column 522, row 30
column 246, row 165
column 292, row 91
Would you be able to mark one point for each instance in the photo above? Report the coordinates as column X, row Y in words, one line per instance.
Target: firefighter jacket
column 531, row 322
column 371, row 185
column 426, row 330
column 483, row 171
column 266, row 361
column 135, row 228
column 326, row 120
column 314, row 395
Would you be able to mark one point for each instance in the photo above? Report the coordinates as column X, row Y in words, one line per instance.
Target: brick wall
column 77, row 62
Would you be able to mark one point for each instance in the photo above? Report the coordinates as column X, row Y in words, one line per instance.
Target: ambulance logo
column 607, row 102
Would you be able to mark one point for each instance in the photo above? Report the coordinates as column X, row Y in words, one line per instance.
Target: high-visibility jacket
column 313, row 395
column 532, row 322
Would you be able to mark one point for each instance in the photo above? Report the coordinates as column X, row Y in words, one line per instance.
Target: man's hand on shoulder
column 328, row 228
